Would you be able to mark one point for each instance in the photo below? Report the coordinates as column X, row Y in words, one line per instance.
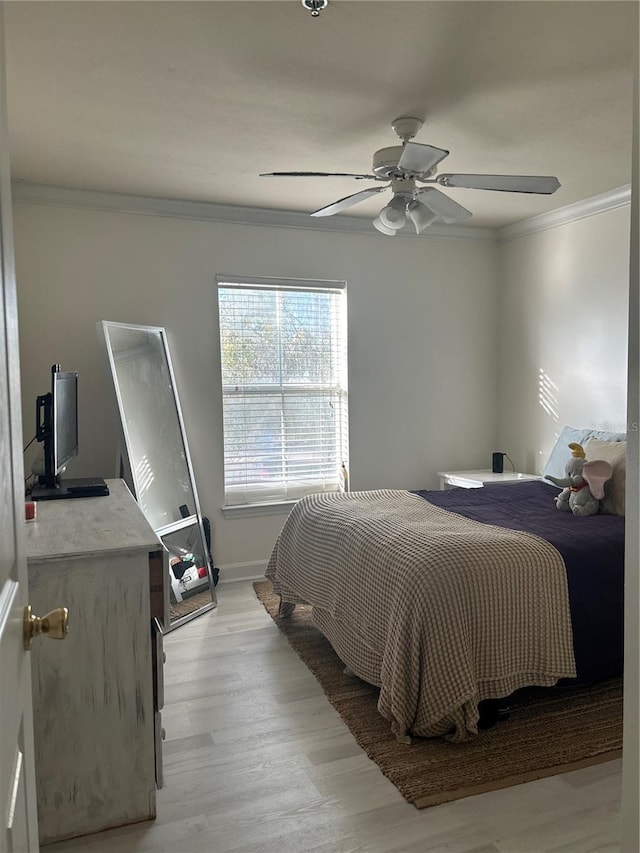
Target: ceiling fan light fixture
column 382, row 228
column 393, row 215
column 420, row 215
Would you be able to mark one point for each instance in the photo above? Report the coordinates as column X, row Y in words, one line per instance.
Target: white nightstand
column 476, row 479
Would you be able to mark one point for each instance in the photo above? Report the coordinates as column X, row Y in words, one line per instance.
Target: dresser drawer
column 157, row 585
column 159, row 737
column 157, row 658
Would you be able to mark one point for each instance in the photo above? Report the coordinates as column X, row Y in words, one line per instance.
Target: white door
column 18, row 832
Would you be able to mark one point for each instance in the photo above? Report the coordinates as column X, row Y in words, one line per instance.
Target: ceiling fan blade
column 349, row 200
column 317, row 175
column 544, row 185
column 446, row 209
column 420, row 158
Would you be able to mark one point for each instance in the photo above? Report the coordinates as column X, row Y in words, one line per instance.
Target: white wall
column 563, row 333
column 422, row 339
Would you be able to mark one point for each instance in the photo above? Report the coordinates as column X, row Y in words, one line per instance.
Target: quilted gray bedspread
column 454, row 611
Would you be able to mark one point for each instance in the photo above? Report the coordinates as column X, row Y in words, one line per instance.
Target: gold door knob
column 54, row 624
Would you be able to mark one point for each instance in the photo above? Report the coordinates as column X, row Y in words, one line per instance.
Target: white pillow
column 560, row 454
column 614, row 452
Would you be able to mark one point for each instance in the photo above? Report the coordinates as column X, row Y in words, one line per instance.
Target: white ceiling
column 192, row 100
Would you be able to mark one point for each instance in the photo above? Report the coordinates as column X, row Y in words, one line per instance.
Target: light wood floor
column 256, row 760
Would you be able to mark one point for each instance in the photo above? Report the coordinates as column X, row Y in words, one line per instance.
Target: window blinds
column 284, row 377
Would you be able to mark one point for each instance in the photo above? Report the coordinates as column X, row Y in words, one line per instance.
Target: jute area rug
column 550, row 730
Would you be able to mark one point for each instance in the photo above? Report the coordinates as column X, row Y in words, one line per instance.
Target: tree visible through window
column 284, row 378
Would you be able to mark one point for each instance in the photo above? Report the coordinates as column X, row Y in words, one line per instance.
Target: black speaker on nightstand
column 497, row 462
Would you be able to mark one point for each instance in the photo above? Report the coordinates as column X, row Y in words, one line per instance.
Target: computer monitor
column 57, row 424
column 57, row 428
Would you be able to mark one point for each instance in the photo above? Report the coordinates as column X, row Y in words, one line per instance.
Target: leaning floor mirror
column 155, row 462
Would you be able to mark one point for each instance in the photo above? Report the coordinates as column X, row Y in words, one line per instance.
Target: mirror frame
column 127, row 468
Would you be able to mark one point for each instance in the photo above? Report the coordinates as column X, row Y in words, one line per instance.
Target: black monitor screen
column 65, row 418
column 57, row 427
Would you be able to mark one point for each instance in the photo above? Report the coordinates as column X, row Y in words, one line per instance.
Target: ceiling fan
column 408, row 168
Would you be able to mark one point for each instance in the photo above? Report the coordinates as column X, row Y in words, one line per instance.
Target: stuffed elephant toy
column 583, row 487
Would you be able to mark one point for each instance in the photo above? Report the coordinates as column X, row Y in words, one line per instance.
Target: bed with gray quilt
column 446, row 599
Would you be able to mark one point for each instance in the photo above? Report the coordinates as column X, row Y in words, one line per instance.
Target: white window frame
column 268, row 506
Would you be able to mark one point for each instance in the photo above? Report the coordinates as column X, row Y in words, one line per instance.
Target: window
column 284, row 383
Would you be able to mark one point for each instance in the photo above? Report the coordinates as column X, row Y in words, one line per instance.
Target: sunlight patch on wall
column 145, row 478
column 548, row 395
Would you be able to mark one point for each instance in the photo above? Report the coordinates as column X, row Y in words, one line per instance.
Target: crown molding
column 204, row 211
column 602, row 203
column 233, row 214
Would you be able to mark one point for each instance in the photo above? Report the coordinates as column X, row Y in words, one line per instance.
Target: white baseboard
column 242, row 572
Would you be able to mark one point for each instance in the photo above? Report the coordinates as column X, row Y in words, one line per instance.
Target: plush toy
column 583, row 487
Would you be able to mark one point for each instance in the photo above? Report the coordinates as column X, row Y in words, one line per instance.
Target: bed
column 446, row 599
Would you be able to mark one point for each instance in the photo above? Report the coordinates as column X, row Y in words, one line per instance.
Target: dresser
column 97, row 694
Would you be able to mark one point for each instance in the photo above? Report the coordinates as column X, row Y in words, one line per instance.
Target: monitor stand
column 86, row 487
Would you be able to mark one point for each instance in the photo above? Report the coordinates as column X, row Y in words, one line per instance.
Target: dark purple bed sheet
column 592, row 548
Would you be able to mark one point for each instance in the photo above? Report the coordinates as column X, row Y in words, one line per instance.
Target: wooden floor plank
column 257, row 760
